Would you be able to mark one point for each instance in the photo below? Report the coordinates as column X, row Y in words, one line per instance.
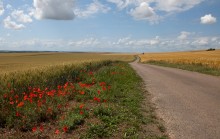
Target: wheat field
column 10, row 62
column 207, row 58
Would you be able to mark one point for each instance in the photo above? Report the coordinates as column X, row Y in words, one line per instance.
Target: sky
column 109, row 25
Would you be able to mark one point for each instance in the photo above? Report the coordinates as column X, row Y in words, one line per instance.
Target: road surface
column 188, row 102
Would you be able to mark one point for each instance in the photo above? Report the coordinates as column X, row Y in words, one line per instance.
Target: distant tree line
column 211, row 49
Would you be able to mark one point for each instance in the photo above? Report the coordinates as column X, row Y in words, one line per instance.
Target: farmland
column 71, row 95
column 25, row 61
column 201, row 61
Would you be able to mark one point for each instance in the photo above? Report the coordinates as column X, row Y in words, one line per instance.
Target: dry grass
column 26, row 61
column 209, row 59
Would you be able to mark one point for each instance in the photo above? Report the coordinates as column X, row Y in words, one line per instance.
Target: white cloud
column 93, row 8
column 154, row 10
column 21, row 17
column 127, row 41
column 8, row 6
column 1, row 8
column 176, row 5
column 54, row 9
column 208, row 19
column 8, row 23
column 121, row 4
column 142, row 12
column 201, row 41
column 183, row 35
column 85, row 42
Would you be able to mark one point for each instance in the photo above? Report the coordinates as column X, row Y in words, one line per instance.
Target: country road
column 188, row 102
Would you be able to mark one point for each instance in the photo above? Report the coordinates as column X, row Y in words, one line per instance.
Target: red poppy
column 99, row 92
column 81, row 106
column 34, row 129
column 65, row 128
column 18, row 114
column 41, row 128
column 5, row 95
column 103, row 88
column 11, row 102
column 82, row 92
column 81, row 112
column 25, row 97
column 20, row 104
column 57, row 131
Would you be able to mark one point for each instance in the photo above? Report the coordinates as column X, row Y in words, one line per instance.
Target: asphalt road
column 188, row 102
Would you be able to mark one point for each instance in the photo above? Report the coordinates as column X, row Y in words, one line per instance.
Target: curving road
column 188, row 102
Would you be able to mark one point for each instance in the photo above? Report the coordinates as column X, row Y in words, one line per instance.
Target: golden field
column 26, row 61
column 207, row 58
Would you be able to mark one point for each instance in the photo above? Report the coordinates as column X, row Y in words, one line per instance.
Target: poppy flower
column 82, row 92
column 57, row 131
column 65, row 128
column 41, row 128
column 34, row 129
column 18, row 114
column 81, row 112
column 81, row 106
column 20, row 104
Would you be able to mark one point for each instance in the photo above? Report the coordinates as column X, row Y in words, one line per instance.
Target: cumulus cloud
column 176, row 5
column 142, row 12
column 208, row 19
column 127, row 41
column 183, row 35
column 93, row 8
column 201, row 41
column 121, row 4
column 85, row 42
column 8, row 23
column 8, row 6
column 54, row 9
column 21, row 17
column 1, row 8
column 151, row 9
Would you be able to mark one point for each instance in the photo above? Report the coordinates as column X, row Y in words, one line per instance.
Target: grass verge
column 191, row 67
column 91, row 101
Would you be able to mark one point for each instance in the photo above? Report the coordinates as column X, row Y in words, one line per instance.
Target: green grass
column 97, row 100
column 191, row 67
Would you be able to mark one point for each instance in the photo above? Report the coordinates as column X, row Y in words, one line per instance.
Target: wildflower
column 104, row 100
column 96, row 99
column 25, row 97
column 20, row 104
column 103, row 88
column 16, row 96
column 82, row 92
column 99, row 92
column 81, row 106
column 5, row 95
column 65, row 86
column 102, row 84
column 34, row 129
column 65, row 128
column 41, row 128
column 57, row 131
column 59, row 106
column 18, row 114
column 81, row 112
column 11, row 102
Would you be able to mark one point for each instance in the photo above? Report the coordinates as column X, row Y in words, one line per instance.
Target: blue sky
column 109, row 25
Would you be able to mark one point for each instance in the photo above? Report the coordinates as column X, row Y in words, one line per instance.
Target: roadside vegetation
column 207, row 62
column 92, row 100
